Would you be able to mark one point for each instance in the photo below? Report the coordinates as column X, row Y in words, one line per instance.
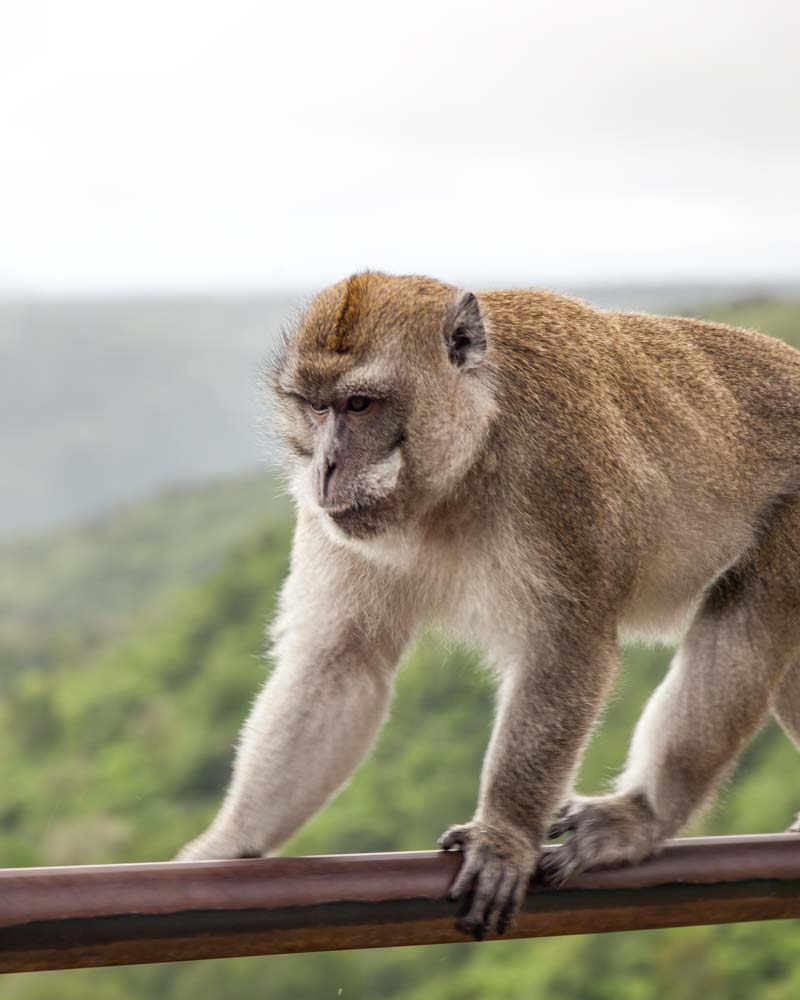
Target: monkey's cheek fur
column 494, row 876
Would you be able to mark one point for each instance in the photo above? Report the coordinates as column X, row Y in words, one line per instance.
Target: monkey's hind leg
column 717, row 694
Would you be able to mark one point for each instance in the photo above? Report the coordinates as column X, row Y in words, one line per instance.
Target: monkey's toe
column 567, row 815
column 493, row 877
column 561, row 824
column 557, row 866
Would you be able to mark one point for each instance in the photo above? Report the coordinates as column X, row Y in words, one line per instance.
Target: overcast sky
column 232, row 145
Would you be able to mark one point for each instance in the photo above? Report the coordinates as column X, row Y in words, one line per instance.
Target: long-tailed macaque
column 544, row 480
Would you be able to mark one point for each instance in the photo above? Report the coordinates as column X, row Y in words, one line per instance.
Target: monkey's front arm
column 313, row 722
column 548, row 702
column 309, row 729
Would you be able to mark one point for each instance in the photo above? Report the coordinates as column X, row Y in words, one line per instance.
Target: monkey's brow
column 290, row 391
column 338, row 389
column 373, row 390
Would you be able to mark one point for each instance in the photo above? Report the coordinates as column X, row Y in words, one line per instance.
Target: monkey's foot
column 493, row 878
column 603, row 832
column 795, row 827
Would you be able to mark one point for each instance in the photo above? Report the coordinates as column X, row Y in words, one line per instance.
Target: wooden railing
column 57, row 918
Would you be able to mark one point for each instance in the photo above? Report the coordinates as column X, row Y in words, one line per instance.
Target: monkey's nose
column 327, row 475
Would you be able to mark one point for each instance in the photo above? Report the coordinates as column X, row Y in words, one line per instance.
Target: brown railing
column 57, row 918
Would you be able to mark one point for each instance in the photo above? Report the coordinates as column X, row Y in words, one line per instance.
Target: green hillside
column 68, row 591
column 121, row 754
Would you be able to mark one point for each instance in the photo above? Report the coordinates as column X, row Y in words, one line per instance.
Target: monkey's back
column 681, row 392
column 739, row 386
column 655, row 445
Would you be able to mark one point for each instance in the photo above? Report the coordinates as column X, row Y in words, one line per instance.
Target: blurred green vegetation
column 116, row 742
column 68, row 591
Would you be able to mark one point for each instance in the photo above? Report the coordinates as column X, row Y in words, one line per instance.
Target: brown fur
column 544, row 479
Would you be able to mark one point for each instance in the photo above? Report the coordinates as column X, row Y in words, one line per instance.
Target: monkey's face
column 353, row 473
column 348, row 438
column 376, row 402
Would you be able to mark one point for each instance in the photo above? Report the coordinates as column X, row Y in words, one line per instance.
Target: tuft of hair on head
column 340, row 338
column 465, row 333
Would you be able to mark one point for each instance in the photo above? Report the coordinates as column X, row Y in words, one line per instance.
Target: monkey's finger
column 464, row 909
column 514, row 904
column 503, row 899
column 483, row 894
column 470, row 867
column 456, row 836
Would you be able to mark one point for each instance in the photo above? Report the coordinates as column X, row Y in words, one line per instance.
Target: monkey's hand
column 210, row 846
column 494, row 875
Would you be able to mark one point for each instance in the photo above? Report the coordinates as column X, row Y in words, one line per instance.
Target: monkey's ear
column 465, row 333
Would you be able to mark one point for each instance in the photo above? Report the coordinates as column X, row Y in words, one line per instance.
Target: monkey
column 546, row 481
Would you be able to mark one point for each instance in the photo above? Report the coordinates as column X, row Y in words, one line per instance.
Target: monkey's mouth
column 360, row 519
column 341, row 512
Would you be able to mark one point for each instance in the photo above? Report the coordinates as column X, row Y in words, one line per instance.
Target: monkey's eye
column 358, row 404
column 319, row 407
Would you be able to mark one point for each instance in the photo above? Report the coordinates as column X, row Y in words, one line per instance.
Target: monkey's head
column 384, row 400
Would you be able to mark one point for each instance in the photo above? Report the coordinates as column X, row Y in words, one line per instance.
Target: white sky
column 225, row 145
